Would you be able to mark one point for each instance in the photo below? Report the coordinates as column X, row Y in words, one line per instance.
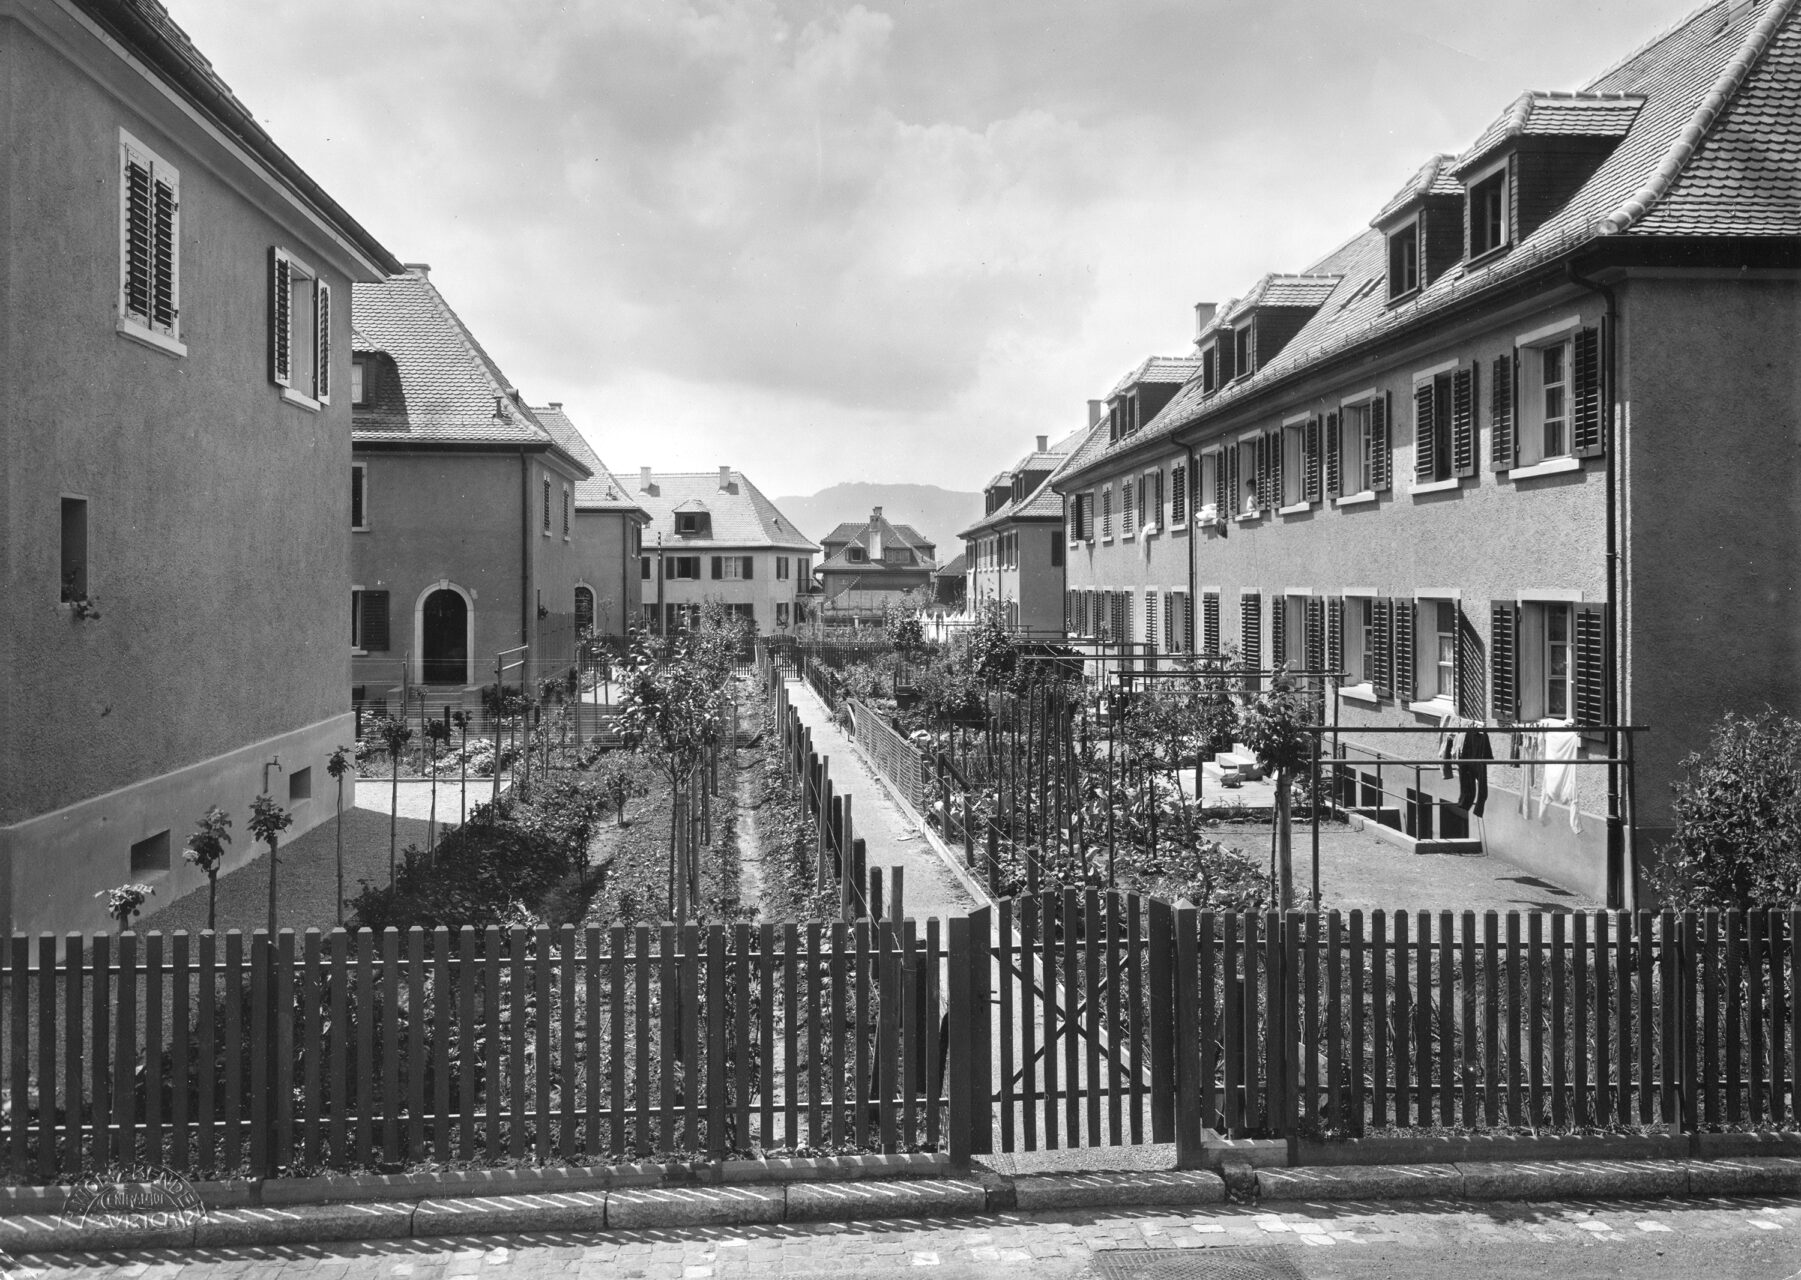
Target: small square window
column 150, row 854
column 300, row 785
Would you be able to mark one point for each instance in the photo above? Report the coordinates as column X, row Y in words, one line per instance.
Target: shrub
column 1738, row 819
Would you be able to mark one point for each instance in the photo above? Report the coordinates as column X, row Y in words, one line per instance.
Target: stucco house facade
column 1013, row 555
column 868, row 567
column 462, row 524
column 1523, row 451
column 714, row 536
column 175, row 433
column 609, row 536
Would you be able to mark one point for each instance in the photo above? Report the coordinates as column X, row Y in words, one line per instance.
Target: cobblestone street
column 1721, row 1239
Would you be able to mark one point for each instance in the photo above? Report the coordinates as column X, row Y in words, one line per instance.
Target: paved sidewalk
column 890, row 836
column 1756, row 1240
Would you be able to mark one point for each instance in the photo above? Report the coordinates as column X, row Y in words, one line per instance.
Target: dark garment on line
column 1472, row 773
column 1447, row 749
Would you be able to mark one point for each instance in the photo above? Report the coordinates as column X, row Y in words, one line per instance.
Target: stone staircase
column 1239, row 764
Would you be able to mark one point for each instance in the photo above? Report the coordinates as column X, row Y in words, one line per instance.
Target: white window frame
column 1529, row 429
column 1150, row 501
column 1294, row 467
column 1358, row 653
column 731, row 568
column 359, row 382
column 1411, row 230
column 1425, row 650
column 356, row 620
column 1504, row 239
column 1354, row 447
column 131, row 324
column 317, row 392
column 362, row 467
column 1535, row 656
column 1294, row 627
column 1241, row 367
column 1244, row 506
column 781, row 568
column 1207, row 469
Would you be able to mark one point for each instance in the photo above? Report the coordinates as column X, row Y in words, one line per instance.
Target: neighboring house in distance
column 714, row 536
column 175, row 431
column 869, row 566
column 1523, row 450
column 951, row 586
column 1126, row 537
column 1014, row 553
column 463, row 509
column 609, row 536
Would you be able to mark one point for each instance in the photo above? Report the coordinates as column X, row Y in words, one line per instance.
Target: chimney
column 1044, row 444
column 1203, row 316
column 420, row 269
column 1097, row 409
column 643, row 479
column 725, row 479
column 556, row 406
column 875, row 534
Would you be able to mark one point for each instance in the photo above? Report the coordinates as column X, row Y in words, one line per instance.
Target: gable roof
column 448, row 389
column 1542, row 114
column 1713, row 148
column 851, row 533
column 1050, row 461
column 1163, row 369
column 1306, row 290
column 742, row 516
column 1434, row 178
column 601, row 491
column 146, row 30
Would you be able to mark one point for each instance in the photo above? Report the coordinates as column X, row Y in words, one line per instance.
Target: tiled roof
column 1046, row 460
column 602, row 490
column 956, row 568
column 145, row 28
column 855, row 533
column 742, row 516
column 1307, row 290
column 1161, row 369
column 1730, row 67
column 450, row 390
column 1577, row 115
column 1434, row 178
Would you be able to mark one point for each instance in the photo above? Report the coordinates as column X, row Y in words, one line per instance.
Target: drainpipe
column 525, row 564
column 1194, row 534
column 1622, row 861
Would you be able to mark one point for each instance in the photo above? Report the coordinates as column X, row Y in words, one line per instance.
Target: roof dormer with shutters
column 1141, row 394
column 1260, row 324
column 1423, row 225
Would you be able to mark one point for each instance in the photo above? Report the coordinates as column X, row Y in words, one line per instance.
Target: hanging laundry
column 1447, row 741
column 1560, row 775
column 1472, row 770
column 1531, row 747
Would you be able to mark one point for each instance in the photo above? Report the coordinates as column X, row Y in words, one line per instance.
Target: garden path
column 890, row 837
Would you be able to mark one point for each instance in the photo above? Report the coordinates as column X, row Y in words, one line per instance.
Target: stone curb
column 629, row 1208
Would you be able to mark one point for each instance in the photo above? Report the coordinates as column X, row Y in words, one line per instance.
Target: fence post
column 875, row 895
column 859, row 880
column 896, row 891
column 1189, row 1148
column 957, row 1090
column 994, row 853
column 1162, row 995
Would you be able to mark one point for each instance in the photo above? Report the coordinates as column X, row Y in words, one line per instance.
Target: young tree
column 620, row 776
column 337, row 765
column 395, row 734
column 1274, row 729
column 267, row 821
column 437, row 734
column 127, row 901
column 460, row 719
column 206, row 850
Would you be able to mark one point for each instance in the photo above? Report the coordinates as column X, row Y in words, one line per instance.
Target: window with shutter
column 1222, row 483
column 1127, row 508
column 281, row 319
column 300, row 322
column 1590, row 426
column 1405, row 655
column 1500, row 414
column 1503, row 660
column 546, row 506
column 1382, row 648
column 1316, row 634
column 322, row 342
column 1187, row 623
column 1471, row 669
column 1425, row 439
column 1278, row 632
column 1178, row 495
column 359, row 495
column 1210, row 621
column 718, row 567
column 1150, row 622
column 1250, row 629
column 1106, row 513
column 750, row 568
column 150, row 247
column 1463, row 422
column 1335, row 637
column 375, row 621
column 1310, row 484
column 565, row 511
column 1332, row 459
column 1379, row 445
column 1591, row 665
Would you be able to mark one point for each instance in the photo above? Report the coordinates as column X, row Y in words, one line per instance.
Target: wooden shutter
column 1381, row 463
column 165, row 248
column 1178, row 498
column 1250, row 628
column 1126, row 506
column 358, row 479
column 1591, row 665
column 718, row 567
column 1500, row 414
column 1468, row 668
column 1316, row 634
column 1276, row 464
column 1310, row 453
column 1463, row 422
column 1234, row 482
column 1382, row 641
column 322, row 356
column 1278, row 632
column 1589, row 439
column 750, row 568
column 1106, row 513
column 1150, row 621
column 1222, row 483
column 1425, row 441
column 1120, row 634
column 375, row 621
column 1335, row 635
column 1210, row 621
column 281, row 320
column 1503, row 655
column 1406, row 655
column 1332, row 455
column 140, row 235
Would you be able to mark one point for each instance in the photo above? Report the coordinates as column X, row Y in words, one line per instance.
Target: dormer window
column 1404, row 261
column 359, row 382
column 1488, row 212
column 856, row 555
column 1241, row 351
column 691, row 524
column 1210, row 370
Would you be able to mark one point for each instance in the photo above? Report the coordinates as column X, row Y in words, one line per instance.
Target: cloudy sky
column 888, row 241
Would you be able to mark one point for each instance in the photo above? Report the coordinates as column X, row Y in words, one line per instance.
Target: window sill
column 1438, row 708
column 359, row 528
column 358, row 653
column 1406, row 295
column 1359, row 693
column 1248, row 517
column 1151, row 531
column 1294, row 508
column 1438, row 486
column 1487, row 256
column 151, row 338
column 1128, row 537
column 299, row 401
column 1355, row 499
column 1549, row 467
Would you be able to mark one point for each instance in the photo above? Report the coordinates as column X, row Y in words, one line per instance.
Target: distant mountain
column 936, row 513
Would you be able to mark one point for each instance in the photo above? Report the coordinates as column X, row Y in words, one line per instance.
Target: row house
column 609, row 536
column 462, row 510
column 1014, row 554
column 715, row 537
column 173, row 507
column 1127, row 533
column 1522, row 452
column 871, row 566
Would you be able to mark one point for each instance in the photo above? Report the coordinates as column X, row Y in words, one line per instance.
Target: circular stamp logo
column 141, row 1197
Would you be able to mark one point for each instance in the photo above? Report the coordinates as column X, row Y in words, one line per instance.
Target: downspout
column 1622, row 862
column 525, row 565
column 1194, row 533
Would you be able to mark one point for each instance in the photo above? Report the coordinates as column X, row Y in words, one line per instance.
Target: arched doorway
column 444, row 638
column 584, row 612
